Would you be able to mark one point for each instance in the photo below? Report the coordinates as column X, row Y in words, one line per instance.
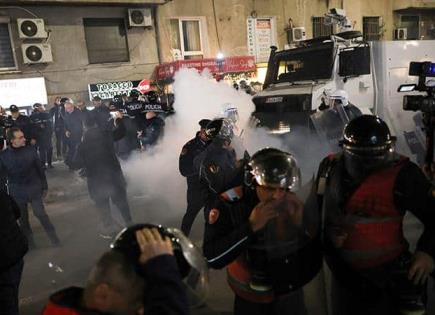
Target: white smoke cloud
column 197, row 96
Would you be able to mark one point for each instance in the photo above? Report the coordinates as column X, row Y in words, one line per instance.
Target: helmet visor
column 195, row 272
column 277, row 171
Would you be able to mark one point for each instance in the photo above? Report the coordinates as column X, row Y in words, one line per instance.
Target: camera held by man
column 425, row 104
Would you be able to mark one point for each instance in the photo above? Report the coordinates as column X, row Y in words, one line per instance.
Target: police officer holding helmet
column 265, row 235
column 365, row 191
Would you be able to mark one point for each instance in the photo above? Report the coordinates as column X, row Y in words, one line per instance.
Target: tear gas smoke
column 155, row 174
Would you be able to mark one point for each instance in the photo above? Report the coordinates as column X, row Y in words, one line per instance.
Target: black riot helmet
column 274, row 168
column 134, row 94
column 152, row 96
column 191, row 264
column 367, row 135
column 367, row 144
column 220, row 128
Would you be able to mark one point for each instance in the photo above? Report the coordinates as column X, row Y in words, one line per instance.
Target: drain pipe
column 157, row 33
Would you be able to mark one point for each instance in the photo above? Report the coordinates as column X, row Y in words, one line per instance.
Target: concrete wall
column 70, row 73
column 404, row 4
column 231, row 18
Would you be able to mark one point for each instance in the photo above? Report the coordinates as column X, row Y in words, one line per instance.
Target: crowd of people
column 271, row 232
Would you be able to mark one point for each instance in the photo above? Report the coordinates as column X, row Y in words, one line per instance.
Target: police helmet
column 341, row 97
column 220, row 128
column 274, row 168
column 117, row 99
column 134, row 94
column 231, row 112
column 367, row 135
column 152, row 96
column 191, row 263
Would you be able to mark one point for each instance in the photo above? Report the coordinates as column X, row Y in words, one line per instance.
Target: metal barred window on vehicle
column 305, row 64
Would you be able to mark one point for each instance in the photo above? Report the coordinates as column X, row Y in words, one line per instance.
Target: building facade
column 91, row 42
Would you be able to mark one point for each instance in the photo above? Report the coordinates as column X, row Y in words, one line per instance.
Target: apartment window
column 186, row 36
column 371, row 28
column 7, row 58
column 320, row 28
column 412, row 24
column 106, row 40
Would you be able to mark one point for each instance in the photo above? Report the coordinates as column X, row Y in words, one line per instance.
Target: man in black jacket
column 101, row 114
column 24, row 123
column 13, row 246
column 196, row 193
column 73, row 130
column 57, row 112
column 115, row 287
column 96, row 154
column 27, row 183
column 43, row 128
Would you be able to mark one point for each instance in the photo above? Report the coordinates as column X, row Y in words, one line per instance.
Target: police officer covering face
column 365, row 191
column 266, row 236
column 195, row 191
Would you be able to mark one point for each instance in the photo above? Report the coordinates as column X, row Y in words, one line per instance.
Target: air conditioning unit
column 31, row 28
column 401, row 33
column 296, row 34
column 36, row 53
column 140, row 18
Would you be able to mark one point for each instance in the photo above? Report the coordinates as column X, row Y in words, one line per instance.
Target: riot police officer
column 266, row 236
column 334, row 113
column 366, row 190
column 195, row 192
column 217, row 164
column 151, row 130
column 43, row 127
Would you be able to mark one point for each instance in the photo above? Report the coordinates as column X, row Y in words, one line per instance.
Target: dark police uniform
column 74, row 125
column 43, row 128
column 27, row 182
column 196, row 193
column 105, row 179
column 152, row 131
column 57, row 113
column 370, row 267
column 102, row 116
column 217, row 166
